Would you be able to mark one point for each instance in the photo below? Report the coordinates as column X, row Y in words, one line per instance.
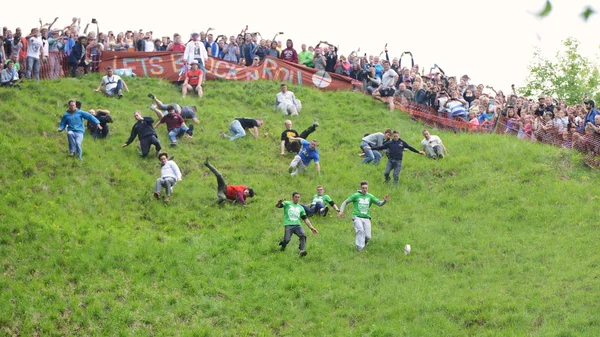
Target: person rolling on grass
column 307, row 153
column 175, row 125
column 237, row 193
column 361, row 214
column 292, row 213
column 169, row 176
column 73, row 121
column 395, row 149
column 144, row 130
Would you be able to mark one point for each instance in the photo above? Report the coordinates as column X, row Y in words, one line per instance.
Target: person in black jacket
column 144, row 130
column 395, row 148
column 77, row 56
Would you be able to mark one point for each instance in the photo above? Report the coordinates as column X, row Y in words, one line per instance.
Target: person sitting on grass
column 286, row 101
column 112, row 84
column 292, row 213
column 160, row 109
column 237, row 193
column 193, row 80
column 169, row 176
column 433, row 146
column 10, row 75
column 319, row 200
column 144, row 129
column 175, row 125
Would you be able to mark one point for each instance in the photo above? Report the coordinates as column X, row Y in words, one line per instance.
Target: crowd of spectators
column 456, row 98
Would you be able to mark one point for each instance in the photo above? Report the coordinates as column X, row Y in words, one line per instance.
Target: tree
column 568, row 78
column 585, row 15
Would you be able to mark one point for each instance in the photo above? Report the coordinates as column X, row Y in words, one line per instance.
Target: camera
column 94, row 21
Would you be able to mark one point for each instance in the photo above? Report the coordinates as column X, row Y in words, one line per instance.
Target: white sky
column 492, row 42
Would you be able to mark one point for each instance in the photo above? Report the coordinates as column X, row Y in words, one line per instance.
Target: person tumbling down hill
column 160, row 109
column 237, row 193
column 145, row 131
column 294, row 146
column 169, row 176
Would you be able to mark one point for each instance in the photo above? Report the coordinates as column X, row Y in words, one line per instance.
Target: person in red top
column 193, row 80
column 237, row 193
column 289, row 53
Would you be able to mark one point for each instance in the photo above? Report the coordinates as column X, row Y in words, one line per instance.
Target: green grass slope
column 504, row 232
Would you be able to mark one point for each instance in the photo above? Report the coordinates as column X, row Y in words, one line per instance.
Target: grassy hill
column 504, row 232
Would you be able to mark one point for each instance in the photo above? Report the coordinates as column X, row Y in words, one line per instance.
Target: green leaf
column 585, row 15
column 547, row 9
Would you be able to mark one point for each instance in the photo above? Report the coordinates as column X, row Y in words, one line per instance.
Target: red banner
column 168, row 65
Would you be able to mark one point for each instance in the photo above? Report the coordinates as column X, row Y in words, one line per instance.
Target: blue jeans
column 33, row 64
column 236, row 130
column 201, row 66
column 177, row 132
column 370, row 155
column 75, row 140
column 116, row 89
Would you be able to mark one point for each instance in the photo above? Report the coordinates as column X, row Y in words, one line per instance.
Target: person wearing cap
column 112, row 84
column 175, row 125
column 9, row 76
column 236, row 193
column 72, row 120
column 195, row 50
column 193, row 80
column 144, row 130
column 286, row 101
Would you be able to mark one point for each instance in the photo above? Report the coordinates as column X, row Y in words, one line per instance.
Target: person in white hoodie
column 169, row 176
column 195, row 50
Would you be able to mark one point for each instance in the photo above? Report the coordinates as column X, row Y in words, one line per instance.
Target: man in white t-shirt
column 286, row 101
column 34, row 54
column 196, row 50
column 433, row 146
column 387, row 88
column 112, row 84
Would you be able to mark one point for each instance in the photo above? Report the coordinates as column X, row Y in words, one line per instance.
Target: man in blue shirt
column 307, row 153
column 73, row 121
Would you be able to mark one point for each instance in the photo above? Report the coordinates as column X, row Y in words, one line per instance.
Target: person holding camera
column 232, row 49
column 319, row 60
column 387, row 89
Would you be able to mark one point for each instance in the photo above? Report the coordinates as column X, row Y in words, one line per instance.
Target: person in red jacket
column 237, row 193
column 289, row 53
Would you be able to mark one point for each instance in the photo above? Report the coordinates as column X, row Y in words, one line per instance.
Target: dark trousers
column 146, row 142
column 101, row 133
column 295, row 146
column 294, row 229
column 73, row 66
column 221, row 186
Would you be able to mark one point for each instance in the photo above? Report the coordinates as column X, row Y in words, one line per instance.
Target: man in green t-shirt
column 292, row 213
column 319, row 202
column 361, row 215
